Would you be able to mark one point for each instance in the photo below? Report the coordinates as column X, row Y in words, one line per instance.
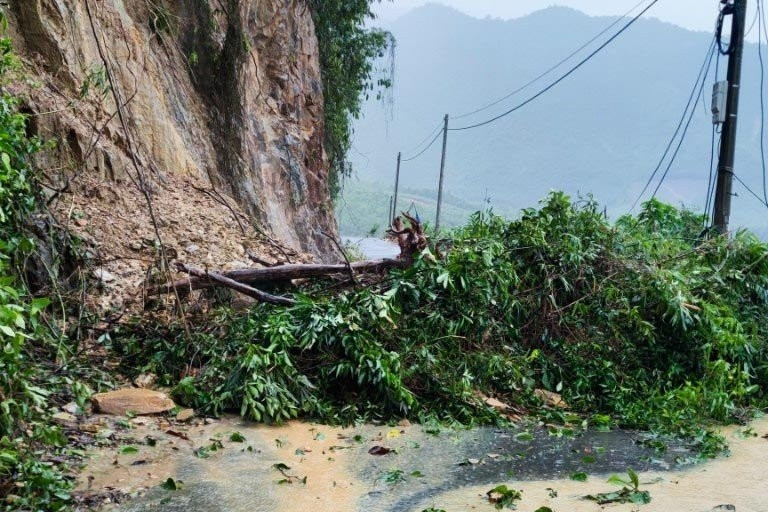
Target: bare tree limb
column 251, row 276
column 238, row 287
column 344, row 255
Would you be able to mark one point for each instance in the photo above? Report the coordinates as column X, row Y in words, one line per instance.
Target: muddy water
column 448, row 469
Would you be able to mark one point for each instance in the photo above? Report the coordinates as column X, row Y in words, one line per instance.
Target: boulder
column 135, row 400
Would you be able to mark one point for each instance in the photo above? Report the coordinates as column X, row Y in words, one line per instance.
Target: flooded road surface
column 316, row 468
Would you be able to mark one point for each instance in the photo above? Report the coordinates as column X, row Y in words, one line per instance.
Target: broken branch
column 237, row 286
column 250, row 276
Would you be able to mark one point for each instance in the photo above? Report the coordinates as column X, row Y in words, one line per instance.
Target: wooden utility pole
column 442, row 174
column 722, row 212
column 397, row 186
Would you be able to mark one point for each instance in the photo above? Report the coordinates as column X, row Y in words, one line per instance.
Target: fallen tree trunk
column 214, row 277
column 251, row 276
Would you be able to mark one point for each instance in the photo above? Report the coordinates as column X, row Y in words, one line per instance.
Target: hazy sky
column 691, row 14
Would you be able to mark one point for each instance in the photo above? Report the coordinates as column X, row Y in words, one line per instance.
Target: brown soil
column 198, row 226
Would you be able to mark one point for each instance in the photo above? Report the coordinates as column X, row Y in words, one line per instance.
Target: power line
column 711, row 180
column 760, row 199
column 548, row 71
column 700, row 78
column 754, row 20
column 724, row 11
column 417, row 146
column 761, row 30
column 425, row 149
column 563, row 77
column 685, row 130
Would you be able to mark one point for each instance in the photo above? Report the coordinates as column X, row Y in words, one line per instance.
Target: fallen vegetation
column 639, row 324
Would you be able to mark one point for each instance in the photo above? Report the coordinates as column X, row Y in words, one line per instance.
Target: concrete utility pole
column 391, row 215
column 397, row 186
column 442, row 174
column 738, row 11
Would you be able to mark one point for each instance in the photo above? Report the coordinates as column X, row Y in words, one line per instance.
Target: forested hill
column 601, row 131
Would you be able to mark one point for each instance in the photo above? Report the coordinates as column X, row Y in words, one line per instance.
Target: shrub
column 639, row 319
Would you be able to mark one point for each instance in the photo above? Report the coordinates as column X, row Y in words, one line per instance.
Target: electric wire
column 755, row 194
column 423, row 150
column 685, row 130
column 724, row 11
column 428, row 137
column 712, row 179
column 563, row 77
column 752, row 25
column 551, row 69
column 699, row 78
column 761, row 31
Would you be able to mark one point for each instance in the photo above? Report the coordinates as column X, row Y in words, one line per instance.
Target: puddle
column 451, row 470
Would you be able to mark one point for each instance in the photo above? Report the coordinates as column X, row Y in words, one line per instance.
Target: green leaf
column 579, row 476
column 37, row 305
column 524, row 437
column 129, row 450
column 633, row 478
column 171, row 485
column 617, row 480
column 237, row 437
column 640, row 497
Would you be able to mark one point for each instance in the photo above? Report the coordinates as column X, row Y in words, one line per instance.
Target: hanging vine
column 349, row 53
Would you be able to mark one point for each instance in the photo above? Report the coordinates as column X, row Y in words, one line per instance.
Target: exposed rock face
column 226, row 94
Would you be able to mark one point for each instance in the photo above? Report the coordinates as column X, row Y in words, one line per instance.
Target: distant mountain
column 601, row 131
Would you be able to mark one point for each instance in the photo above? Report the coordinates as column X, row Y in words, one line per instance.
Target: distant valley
column 600, row 132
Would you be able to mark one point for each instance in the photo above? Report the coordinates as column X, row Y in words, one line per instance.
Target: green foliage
column 348, row 51
column 504, row 497
column 638, row 324
column 630, row 492
column 28, row 481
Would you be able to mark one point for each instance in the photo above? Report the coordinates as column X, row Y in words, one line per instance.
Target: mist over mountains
column 601, row 131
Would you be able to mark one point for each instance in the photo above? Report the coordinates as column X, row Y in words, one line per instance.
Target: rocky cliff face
column 221, row 97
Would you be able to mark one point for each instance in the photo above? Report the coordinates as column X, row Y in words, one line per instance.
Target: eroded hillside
column 220, row 123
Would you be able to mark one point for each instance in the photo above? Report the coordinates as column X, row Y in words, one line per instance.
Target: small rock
column 65, row 419
column 403, row 423
column 496, row 404
column 723, row 508
column 81, row 222
column 103, row 275
column 72, row 408
column 145, row 380
column 91, row 428
column 136, row 400
column 549, row 398
column 192, row 248
column 185, row 415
